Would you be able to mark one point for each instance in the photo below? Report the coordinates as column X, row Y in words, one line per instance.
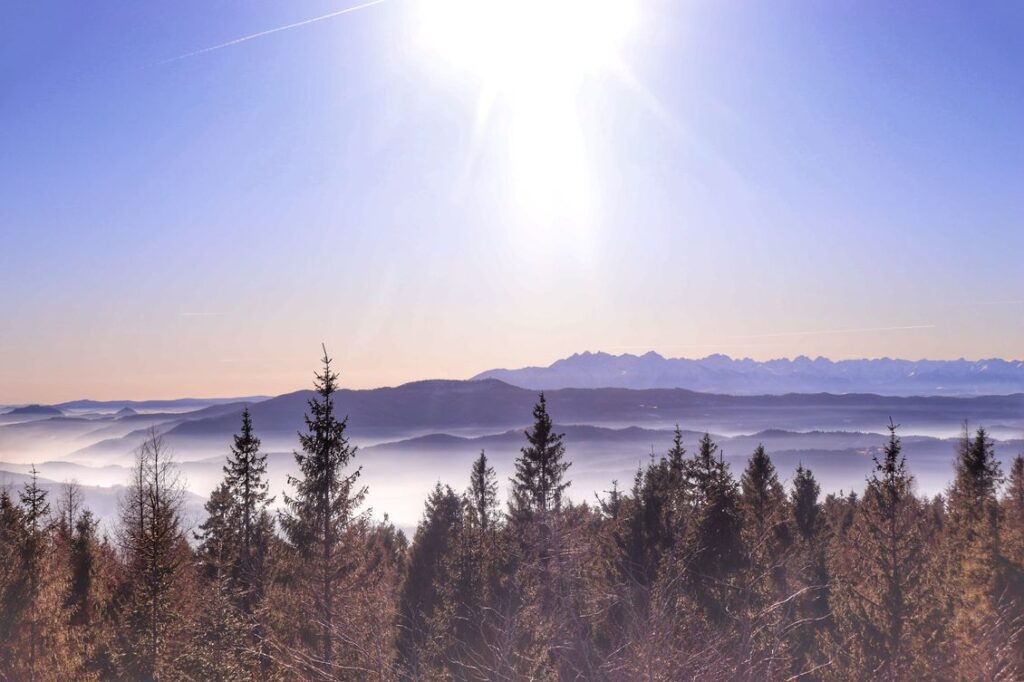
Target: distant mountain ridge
column 723, row 374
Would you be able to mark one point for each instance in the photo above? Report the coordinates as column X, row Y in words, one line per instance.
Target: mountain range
column 722, row 374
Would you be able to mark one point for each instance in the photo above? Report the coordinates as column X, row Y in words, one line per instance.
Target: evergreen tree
column 804, row 501
column 320, row 515
column 37, row 510
column 764, row 585
column 766, row 516
column 538, row 483
column 881, row 597
column 1013, row 514
column 469, row 581
column 714, row 552
column 83, row 561
column 811, row 574
column 218, row 534
column 482, row 496
column 420, row 595
column 974, row 570
column 14, row 581
column 245, row 478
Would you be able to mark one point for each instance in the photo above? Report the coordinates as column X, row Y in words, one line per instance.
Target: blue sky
column 762, row 180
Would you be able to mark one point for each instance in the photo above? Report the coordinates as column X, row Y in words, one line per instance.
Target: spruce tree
column 881, row 598
column 218, row 535
column 1013, row 514
column 320, row 514
column 482, row 496
column 714, row 552
column 765, row 582
column 14, row 580
column 244, row 475
column 37, row 510
column 420, row 595
column 765, row 512
column 974, row 566
column 804, row 501
column 83, row 562
column 539, row 478
column 811, row 576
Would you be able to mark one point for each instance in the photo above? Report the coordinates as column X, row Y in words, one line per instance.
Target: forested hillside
column 689, row 571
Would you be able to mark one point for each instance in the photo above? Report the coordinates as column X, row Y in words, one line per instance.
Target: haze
column 838, row 179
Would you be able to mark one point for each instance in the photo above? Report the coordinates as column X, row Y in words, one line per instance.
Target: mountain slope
column 722, row 374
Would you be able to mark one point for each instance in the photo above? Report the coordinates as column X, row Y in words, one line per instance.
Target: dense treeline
column 693, row 572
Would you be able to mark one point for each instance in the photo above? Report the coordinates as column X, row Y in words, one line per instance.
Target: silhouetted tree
column 539, row 482
column 880, row 598
column 420, row 595
column 318, row 522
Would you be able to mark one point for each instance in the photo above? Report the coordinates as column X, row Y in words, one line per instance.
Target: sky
column 437, row 187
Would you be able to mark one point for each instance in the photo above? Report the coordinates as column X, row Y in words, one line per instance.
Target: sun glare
column 531, row 58
column 527, row 45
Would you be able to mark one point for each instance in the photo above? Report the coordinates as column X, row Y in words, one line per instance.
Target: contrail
column 252, row 36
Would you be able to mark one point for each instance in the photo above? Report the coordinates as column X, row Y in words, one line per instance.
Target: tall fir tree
column 765, row 510
column 37, row 511
column 421, row 596
column 1013, row 514
column 714, row 551
column 318, row 521
column 539, row 479
column 218, row 535
column 811, row 576
column 245, row 476
column 14, row 581
column 482, row 495
column 884, row 623
column 973, row 558
column 805, row 504
column 84, row 562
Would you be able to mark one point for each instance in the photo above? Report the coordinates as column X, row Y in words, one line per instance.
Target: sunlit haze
column 195, row 195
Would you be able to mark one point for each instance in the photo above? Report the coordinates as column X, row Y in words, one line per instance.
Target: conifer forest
column 689, row 572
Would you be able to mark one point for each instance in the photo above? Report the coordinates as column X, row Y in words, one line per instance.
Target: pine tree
column 1013, row 514
column 764, row 586
column 974, row 568
column 14, row 580
column 320, row 515
column 714, row 551
column 482, row 496
column 538, row 483
column 810, row 573
column 37, row 510
column 804, row 501
column 468, row 580
column 766, row 516
column 245, row 478
column 83, row 561
column 881, row 599
column 218, row 534
column 420, row 595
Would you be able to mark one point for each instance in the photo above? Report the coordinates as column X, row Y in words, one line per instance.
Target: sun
column 531, row 60
column 523, row 46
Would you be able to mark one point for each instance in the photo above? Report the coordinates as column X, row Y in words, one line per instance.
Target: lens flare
column 531, row 59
